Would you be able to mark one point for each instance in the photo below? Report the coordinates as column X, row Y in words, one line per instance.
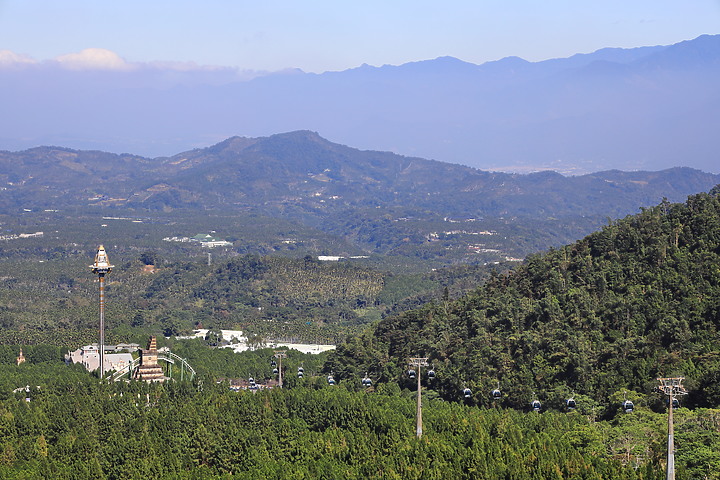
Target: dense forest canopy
column 67, row 424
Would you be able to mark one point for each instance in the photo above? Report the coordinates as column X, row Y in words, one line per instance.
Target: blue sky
column 321, row 35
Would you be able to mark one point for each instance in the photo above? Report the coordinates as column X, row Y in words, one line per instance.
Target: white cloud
column 161, row 72
column 12, row 59
column 94, row 59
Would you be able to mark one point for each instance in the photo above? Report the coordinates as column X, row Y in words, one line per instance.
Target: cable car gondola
column 331, row 380
column 570, row 403
column 467, row 393
column 275, row 371
column 496, row 394
column 628, row 406
column 366, row 382
column 431, row 374
column 536, row 405
column 301, row 372
column 411, row 373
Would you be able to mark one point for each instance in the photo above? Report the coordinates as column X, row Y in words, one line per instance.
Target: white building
column 89, row 357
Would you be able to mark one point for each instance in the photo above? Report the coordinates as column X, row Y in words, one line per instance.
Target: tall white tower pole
column 102, row 267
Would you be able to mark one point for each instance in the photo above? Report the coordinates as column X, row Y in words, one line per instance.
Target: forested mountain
column 301, row 170
column 602, row 318
column 372, row 202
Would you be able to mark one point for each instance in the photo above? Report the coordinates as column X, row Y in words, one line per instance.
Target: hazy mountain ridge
column 642, row 108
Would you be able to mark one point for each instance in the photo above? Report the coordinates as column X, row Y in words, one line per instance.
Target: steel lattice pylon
column 671, row 386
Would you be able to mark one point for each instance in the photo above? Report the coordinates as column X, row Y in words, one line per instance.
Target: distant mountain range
column 379, row 201
column 645, row 108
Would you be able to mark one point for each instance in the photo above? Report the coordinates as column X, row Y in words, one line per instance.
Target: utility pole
column 101, row 267
column 671, row 387
column 280, row 354
column 419, row 363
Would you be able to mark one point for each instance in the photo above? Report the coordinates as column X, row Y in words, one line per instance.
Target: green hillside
column 601, row 318
column 55, row 301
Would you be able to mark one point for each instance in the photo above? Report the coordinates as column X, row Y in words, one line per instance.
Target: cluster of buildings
column 21, row 235
column 435, row 236
column 205, row 240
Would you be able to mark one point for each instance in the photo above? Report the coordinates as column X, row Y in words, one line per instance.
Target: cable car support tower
column 419, row 363
column 279, row 354
column 671, row 387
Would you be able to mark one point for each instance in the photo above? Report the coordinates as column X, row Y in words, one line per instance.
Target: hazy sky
column 321, row 35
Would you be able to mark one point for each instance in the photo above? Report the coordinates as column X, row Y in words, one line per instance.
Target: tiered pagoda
column 149, row 370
